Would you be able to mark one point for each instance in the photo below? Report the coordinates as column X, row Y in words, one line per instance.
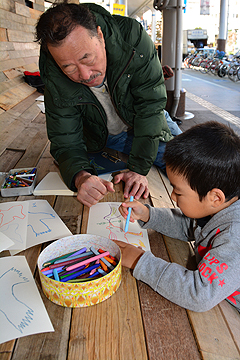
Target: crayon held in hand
column 128, row 216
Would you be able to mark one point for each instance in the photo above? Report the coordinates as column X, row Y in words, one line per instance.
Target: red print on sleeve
column 202, row 250
column 231, row 297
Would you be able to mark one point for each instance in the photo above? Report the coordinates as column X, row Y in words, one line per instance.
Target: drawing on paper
column 24, row 315
column 22, row 311
column 40, row 224
column 13, row 221
column 106, row 220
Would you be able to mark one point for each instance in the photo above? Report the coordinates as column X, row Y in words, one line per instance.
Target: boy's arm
column 215, row 279
column 170, row 222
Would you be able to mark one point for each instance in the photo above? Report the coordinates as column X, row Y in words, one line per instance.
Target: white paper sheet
column 40, row 98
column 41, row 107
column 14, row 221
column 28, row 223
column 52, row 184
column 5, row 242
column 22, row 311
column 105, row 220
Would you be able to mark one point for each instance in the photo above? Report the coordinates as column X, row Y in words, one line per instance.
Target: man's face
column 82, row 57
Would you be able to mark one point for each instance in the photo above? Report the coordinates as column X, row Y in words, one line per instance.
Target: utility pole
column 223, row 24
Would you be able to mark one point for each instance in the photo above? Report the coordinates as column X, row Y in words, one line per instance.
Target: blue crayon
column 83, row 250
column 74, row 257
column 102, row 272
column 128, row 216
column 55, row 274
column 65, row 273
column 47, row 272
column 79, row 273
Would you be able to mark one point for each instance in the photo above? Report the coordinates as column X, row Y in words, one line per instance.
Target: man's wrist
column 79, row 176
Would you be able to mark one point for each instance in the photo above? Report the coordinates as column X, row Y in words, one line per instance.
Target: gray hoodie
column 217, row 249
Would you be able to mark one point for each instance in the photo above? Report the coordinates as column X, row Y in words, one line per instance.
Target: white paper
column 105, row 220
column 5, row 242
column 40, row 98
column 22, row 311
column 41, row 107
column 52, row 184
column 14, row 221
column 28, row 223
column 107, row 177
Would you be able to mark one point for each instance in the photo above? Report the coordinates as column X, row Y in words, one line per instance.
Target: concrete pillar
column 172, row 56
column 169, row 39
column 153, row 25
column 221, row 43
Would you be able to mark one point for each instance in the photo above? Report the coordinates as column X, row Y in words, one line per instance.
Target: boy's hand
column 130, row 254
column 139, row 211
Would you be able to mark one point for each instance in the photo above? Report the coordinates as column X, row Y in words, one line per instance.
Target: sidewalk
column 211, row 98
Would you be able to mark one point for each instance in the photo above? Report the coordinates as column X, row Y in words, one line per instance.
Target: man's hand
column 135, row 184
column 91, row 188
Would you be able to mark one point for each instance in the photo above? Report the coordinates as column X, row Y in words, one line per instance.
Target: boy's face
column 187, row 199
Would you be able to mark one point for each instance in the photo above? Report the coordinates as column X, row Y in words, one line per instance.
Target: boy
column 203, row 166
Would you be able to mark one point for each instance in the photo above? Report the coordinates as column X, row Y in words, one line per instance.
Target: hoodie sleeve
column 217, row 277
column 170, row 222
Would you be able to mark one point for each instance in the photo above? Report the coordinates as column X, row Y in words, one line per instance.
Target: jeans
column 123, row 141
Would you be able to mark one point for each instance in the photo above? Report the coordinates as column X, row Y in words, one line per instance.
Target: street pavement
column 209, row 97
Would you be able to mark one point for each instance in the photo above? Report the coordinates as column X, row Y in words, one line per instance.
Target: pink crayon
column 84, row 262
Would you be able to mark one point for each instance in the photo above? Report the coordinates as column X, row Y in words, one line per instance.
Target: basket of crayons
column 80, row 270
column 19, row 182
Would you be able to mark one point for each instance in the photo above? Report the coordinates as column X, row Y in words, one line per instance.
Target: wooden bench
column 135, row 323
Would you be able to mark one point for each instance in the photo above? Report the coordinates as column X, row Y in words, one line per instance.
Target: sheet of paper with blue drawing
column 22, row 311
column 28, row 223
column 105, row 220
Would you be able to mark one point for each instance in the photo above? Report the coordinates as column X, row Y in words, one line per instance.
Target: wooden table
column 135, row 323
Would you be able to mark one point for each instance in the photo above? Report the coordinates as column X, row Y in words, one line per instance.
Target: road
column 209, row 96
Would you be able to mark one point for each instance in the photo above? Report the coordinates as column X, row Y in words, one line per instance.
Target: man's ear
column 100, row 34
column 216, row 197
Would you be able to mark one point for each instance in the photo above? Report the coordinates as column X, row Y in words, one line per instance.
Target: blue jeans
column 123, row 141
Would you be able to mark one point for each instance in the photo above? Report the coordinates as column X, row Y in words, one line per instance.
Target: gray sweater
column 217, row 249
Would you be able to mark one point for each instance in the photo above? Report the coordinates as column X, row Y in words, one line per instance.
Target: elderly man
column 103, row 87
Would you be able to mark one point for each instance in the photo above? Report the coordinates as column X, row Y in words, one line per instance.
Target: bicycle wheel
column 215, row 66
column 238, row 72
column 232, row 73
column 222, row 71
column 203, row 67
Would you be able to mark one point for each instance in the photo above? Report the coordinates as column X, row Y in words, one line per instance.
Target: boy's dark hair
column 55, row 24
column 208, row 156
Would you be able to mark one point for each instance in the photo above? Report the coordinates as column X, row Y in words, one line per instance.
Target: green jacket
column 76, row 121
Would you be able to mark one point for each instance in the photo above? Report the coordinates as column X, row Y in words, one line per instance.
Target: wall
column 18, row 51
